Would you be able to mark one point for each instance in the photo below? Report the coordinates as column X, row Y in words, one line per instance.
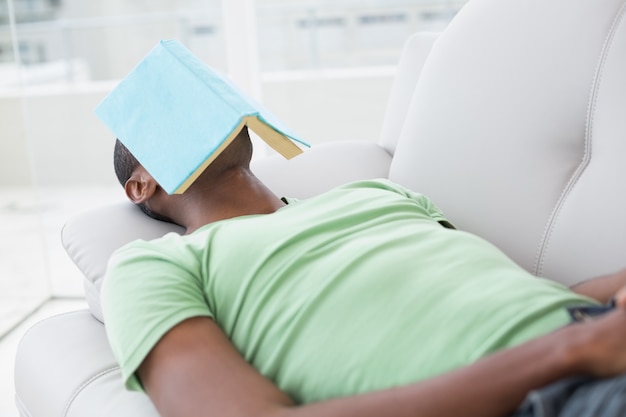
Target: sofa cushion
column 91, row 237
column 323, row 167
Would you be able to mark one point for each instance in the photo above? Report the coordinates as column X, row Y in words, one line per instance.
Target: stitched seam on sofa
column 45, row 320
column 591, row 109
column 80, row 389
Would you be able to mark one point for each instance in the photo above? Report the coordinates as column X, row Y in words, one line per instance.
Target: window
column 57, row 61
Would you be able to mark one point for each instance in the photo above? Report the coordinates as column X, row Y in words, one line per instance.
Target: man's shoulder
column 169, row 246
column 374, row 183
column 373, row 186
column 381, row 186
column 384, row 192
column 366, row 187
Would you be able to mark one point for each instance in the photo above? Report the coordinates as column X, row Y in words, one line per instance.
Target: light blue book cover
column 176, row 114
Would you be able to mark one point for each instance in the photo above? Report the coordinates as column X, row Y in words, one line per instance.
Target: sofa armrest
column 323, row 167
column 64, row 367
column 91, row 237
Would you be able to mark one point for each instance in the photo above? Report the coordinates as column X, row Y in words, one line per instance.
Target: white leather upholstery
column 514, row 125
column 90, row 239
column 64, row 367
column 515, row 131
column 588, row 232
column 342, row 162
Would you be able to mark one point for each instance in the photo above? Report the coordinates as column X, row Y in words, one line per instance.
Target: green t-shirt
column 357, row 289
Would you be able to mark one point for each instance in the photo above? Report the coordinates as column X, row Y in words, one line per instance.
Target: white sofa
column 514, row 123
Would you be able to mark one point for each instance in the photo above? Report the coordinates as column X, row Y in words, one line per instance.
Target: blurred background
column 325, row 67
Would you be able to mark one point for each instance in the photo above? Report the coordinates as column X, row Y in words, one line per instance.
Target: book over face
column 175, row 114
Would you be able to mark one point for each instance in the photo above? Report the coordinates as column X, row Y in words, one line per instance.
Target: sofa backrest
column 517, row 130
column 415, row 51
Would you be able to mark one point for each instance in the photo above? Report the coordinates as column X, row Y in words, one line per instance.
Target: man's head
column 140, row 187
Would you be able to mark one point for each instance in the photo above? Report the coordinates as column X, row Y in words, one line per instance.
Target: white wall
column 63, row 140
column 15, row 164
column 331, row 107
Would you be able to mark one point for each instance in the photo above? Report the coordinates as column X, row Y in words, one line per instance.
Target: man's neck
column 237, row 193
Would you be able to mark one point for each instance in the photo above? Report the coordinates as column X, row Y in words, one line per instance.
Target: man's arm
column 602, row 288
column 195, row 371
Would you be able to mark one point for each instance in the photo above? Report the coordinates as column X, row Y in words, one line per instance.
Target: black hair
column 125, row 163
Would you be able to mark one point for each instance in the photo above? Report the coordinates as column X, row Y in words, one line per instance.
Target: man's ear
column 140, row 187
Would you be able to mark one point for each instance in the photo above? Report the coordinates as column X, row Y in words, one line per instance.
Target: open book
column 176, row 115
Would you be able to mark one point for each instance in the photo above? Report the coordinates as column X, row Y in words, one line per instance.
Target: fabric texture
column 577, row 397
column 360, row 288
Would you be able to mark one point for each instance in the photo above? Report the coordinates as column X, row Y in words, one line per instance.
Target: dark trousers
column 577, row 397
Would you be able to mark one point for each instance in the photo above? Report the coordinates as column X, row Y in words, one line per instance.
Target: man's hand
column 603, row 288
column 598, row 347
column 620, row 298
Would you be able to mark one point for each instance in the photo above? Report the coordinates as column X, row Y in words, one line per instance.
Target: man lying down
column 363, row 301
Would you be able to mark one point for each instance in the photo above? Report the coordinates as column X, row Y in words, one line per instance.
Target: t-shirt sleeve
column 149, row 288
